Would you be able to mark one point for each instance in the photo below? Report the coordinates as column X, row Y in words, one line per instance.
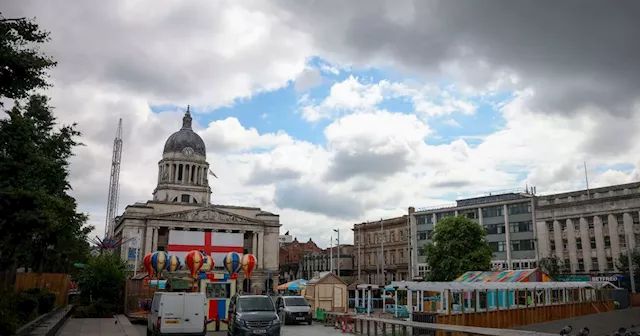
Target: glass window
column 498, row 246
column 295, row 301
column 593, row 242
column 594, row 264
column 218, row 290
column 579, row 243
column 526, row 226
column 255, row 303
column 609, row 263
column 607, row 241
column 623, row 240
column 184, row 198
column 635, row 217
column 494, row 211
column 590, row 222
column 580, row 264
column 422, row 235
column 521, row 208
column 495, row 228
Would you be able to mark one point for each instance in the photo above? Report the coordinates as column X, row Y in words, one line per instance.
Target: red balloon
column 147, row 264
column 194, row 261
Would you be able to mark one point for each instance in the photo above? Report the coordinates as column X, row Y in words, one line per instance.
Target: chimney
column 412, row 210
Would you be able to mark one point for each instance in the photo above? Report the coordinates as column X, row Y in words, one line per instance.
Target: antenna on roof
column 586, row 179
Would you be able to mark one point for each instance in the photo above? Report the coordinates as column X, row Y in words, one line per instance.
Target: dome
column 185, row 138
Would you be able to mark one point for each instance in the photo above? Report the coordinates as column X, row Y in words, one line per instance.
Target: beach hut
column 327, row 291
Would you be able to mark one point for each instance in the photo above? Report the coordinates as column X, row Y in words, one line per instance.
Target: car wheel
column 149, row 332
column 310, row 321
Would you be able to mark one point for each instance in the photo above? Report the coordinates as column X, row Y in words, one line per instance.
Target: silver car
column 293, row 309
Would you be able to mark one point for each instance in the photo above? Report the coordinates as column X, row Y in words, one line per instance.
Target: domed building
column 181, row 218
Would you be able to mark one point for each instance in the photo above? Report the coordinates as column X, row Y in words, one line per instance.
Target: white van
column 177, row 313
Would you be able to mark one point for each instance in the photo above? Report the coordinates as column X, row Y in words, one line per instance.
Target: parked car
column 293, row 309
column 177, row 313
column 253, row 314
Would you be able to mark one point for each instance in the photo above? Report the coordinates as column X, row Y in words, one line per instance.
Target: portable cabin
column 327, row 291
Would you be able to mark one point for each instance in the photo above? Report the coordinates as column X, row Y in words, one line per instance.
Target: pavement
column 97, row 327
column 315, row 329
column 598, row 324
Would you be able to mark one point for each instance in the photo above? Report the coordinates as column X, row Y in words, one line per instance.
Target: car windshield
column 296, row 301
column 258, row 303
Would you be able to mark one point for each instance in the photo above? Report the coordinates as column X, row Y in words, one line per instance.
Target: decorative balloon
column 147, row 264
column 159, row 262
column 207, row 262
column 173, row 264
column 194, row 261
column 232, row 262
column 248, row 264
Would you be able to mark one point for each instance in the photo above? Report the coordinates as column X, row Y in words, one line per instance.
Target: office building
column 588, row 229
column 508, row 218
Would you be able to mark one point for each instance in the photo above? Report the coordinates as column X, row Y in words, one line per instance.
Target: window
column 552, row 244
column 392, row 236
column 593, row 242
column 471, row 214
column 579, row 243
column 635, row 217
column 563, row 225
column 498, row 246
column 576, row 223
column 620, row 219
column 590, row 222
column 607, row 241
column 521, row 208
column 184, row 198
column 564, row 244
column 580, row 264
column 594, row 264
column 422, row 252
column 216, row 290
column 443, row 215
column 429, row 234
column 522, row 245
column 422, row 219
column 623, row 240
column 494, row 211
column 422, row 235
column 609, row 264
column 550, row 227
column 401, row 256
column 495, row 228
column 526, row 226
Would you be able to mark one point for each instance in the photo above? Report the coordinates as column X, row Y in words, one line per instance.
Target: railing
column 373, row 326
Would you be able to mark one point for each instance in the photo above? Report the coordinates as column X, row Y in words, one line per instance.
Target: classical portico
column 181, row 202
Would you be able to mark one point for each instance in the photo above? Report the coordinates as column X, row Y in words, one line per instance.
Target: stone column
column 261, row 249
column 254, row 243
column 480, row 218
column 148, row 239
column 557, row 238
column 615, row 240
column 154, row 243
column 571, row 242
column 600, row 252
column 628, row 230
column 187, row 173
column 586, row 244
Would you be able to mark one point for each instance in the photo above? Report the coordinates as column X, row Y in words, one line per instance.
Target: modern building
column 588, row 229
column 507, row 216
column 382, row 250
column 180, row 217
column 285, row 238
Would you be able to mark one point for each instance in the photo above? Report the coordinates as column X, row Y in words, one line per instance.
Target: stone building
column 305, row 260
column 513, row 245
column 181, row 207
column 588, row 229
column 291, row 255
column 383, row 250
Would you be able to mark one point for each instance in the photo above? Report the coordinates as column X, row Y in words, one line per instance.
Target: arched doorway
column 246, row 286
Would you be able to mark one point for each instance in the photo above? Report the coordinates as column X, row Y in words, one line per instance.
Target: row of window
column 378, row 237
column 595, row 265
column 487, row 212
column 622, row 242
column 516, row 245
column 635, row 217
column 523, row 226
column 389, row 257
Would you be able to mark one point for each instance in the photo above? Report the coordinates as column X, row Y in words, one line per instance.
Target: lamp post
column 338, row 241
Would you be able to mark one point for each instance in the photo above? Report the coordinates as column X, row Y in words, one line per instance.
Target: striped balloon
column 248, row 264
column 173, row 264
column 147, row 264
column 159, row 262
column 194, row 262
column 232, row 262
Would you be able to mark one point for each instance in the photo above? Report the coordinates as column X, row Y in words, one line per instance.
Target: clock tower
column 183, row 170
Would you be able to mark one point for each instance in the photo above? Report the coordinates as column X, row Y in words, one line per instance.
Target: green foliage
column 623, row 261
column 22, row 66
column 459, row 245
column 553, row 266
column 41, row 228
column 103, row 280
column 18, row 309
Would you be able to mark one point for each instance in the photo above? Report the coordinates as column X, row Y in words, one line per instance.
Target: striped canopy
column 293, row 285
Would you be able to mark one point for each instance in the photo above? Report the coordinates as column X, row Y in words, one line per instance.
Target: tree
column 103, row 279
column 39, row 222
column 22, row 66
column 623, row 261
column 459, row 245
column 553, row 266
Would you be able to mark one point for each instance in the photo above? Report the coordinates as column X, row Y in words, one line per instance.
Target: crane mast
column 114, row 184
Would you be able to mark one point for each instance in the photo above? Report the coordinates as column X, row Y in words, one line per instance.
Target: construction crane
column 114, row 187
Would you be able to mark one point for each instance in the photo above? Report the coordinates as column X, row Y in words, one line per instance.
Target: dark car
column 253, row 315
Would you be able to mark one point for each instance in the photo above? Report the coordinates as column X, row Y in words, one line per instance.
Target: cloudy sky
column 334, row 112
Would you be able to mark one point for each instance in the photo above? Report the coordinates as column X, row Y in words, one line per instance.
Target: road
column 315, row 329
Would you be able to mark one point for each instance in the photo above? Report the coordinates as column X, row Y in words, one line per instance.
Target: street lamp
column 339, row 256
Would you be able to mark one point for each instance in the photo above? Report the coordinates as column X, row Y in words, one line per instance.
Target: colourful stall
column 219, row 287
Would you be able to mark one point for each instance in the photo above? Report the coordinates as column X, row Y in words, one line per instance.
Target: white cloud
column 452, row 122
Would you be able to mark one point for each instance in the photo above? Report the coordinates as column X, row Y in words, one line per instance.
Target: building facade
column 588, row 229
column 285, row 239
column 181, row 208
column 508, row 218
column 381, row 250
column 306, row 260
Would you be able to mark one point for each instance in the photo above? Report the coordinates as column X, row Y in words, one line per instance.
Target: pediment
column 207, row 215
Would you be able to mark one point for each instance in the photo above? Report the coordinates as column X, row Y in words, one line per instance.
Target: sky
column 331, row 113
